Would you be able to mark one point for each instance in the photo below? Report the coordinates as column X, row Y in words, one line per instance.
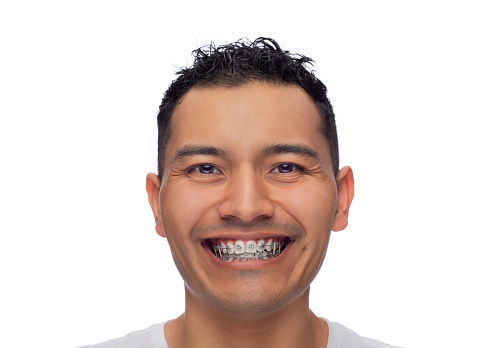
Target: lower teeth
column 222, row 253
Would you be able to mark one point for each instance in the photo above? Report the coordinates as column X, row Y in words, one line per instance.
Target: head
column 248, row 171
column 240, row 63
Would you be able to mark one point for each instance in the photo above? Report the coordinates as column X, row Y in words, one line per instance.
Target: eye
column 286, row 168
column 205, row 169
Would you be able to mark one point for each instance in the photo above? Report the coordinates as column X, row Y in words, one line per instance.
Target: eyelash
column 195, row 168
column 294, row 168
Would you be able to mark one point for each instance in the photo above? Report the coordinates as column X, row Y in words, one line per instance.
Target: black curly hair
column 238, row 63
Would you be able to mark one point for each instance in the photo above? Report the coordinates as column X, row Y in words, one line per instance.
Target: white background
column 412, row 87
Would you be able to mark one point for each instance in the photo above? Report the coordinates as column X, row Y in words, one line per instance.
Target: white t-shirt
column 154, row 337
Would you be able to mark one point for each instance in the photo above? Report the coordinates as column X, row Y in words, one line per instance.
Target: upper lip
column 248, row 232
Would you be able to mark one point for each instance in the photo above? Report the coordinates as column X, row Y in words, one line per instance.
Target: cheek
column 183, row 207
column 312, row 207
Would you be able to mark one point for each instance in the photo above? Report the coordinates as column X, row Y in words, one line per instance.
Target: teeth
column 230, row 247
column 239, row 247
column 250, row 246
column 276, row 249
column 269, row 244
column 260, row 245
column 249, row 250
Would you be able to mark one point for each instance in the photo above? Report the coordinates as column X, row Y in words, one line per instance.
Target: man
column 247, row 193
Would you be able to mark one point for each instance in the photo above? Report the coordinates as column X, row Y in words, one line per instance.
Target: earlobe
column 153, row 189
column 345, row 184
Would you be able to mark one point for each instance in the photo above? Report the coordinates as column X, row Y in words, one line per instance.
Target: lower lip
column 251, row 264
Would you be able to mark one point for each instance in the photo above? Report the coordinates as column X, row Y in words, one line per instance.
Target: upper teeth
column 239, row 247
column 230, row 248
column 249, row 250
column 250, row 245
column 269, row 244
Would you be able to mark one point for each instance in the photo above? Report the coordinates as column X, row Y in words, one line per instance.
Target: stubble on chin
column 252, row 297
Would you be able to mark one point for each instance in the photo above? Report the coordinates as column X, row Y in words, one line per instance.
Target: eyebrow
column 197, row 150
column 298, row 149
column 274, row 149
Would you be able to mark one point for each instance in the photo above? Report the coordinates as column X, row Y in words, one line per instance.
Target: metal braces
column 222, row 252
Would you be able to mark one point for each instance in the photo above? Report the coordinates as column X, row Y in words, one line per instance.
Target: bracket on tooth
column 222, row 252
column 226, row 249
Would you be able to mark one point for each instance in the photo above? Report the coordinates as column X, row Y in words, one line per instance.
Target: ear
column 344, row 181
column 153, row 189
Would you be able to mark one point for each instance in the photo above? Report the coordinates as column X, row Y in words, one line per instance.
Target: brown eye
column 206, row 169
column 285, row 168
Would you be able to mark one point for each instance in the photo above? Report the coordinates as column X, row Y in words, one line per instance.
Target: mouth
column 230, row 250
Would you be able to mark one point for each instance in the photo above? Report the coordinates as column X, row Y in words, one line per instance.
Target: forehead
column 245, row 118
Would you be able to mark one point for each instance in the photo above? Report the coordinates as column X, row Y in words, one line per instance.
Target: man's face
column 247, row 175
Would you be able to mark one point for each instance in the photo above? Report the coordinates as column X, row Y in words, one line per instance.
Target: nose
column 246, row 199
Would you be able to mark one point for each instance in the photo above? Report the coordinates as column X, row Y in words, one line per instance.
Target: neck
column 201, row 325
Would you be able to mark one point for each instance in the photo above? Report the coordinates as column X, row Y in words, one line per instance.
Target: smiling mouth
column 247, row 250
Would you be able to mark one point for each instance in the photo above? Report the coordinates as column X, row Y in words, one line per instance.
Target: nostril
column 246, row 212
column 246, row 198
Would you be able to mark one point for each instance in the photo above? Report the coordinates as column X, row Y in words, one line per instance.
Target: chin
column 250, row 301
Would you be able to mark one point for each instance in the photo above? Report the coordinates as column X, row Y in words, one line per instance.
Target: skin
column 246, row 163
